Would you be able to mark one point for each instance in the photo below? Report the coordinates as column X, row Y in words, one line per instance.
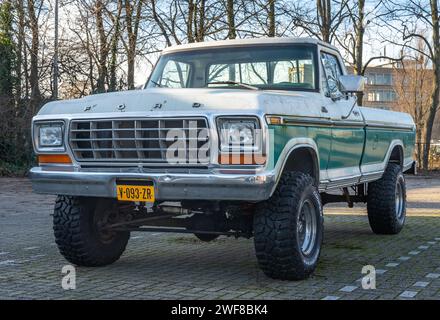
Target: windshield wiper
column 244, row 85
column 157, row 84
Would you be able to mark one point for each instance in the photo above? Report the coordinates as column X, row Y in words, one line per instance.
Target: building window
column 381, row 96
column 383, row 79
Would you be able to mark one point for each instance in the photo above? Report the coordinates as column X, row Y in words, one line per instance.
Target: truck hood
column 201, row 101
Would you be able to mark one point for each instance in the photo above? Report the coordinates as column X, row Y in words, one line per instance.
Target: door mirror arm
column 351, row 111
column 351, row 85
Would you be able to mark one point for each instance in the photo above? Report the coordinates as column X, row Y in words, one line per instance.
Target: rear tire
column 386, row 201
column 288, row 229
column 78, row 235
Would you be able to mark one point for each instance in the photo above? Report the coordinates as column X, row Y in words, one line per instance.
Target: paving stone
column 348, row 289
column 404, row 258
column 408, row 294
column 421, row 284
column 169, row 266
column 381, row 271
column 392, row 264
column 331, row 298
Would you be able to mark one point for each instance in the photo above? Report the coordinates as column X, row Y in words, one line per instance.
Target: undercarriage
column 202, row 218
column 206, row 219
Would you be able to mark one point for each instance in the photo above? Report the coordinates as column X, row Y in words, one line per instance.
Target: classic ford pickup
column 239, row 138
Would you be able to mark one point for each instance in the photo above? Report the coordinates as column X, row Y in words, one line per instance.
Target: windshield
column 288, row 67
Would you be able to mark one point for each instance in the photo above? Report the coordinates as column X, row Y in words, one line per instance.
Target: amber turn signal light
column 241, row 159
column 274, row 120
column 54, row 158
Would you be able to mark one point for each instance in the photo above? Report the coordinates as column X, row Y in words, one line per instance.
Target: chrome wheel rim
column 307, row 226
column 399, row 200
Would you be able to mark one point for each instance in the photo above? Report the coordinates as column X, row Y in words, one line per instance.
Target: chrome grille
column 139, row 140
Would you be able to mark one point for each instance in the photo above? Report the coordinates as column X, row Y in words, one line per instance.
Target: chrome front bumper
column 168, row 186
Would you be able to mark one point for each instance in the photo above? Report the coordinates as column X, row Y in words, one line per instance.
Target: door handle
column 324, row 110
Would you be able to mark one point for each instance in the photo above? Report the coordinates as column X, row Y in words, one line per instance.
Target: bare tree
column 352, row 37
column 322, row 19
column 408, row 19
column 33, row 9
column 232, row 31
column 412, row 84
column 133, row 10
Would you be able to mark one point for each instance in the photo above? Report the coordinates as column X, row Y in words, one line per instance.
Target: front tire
column 288, row 229
column 386, row 201
column 76, row 224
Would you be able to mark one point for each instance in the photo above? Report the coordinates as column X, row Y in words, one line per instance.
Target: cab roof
column 245, row 42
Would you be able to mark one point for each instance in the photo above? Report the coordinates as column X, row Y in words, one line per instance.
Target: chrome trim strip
column 389, row 127
column 328, row 122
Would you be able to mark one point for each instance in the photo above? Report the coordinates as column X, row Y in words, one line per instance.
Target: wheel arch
column 395, row 153
column 297, row 149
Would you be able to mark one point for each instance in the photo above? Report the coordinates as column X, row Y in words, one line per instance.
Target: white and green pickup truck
column 239, row 138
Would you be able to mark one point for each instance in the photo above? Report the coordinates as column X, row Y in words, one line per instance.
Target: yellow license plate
column 135, row 193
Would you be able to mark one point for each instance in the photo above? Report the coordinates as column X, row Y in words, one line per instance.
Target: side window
column 332, row 71
column 175, row 75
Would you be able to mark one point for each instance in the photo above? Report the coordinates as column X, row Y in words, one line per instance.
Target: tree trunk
column 34, row 79
column 131, row 44
column 232, row 32
column 7, row 52
column 272, row 22
column 114, row 49
column 19, row 51
column 324, row 18
column 201, row 29
column 103, row 48
column 360, row 31
column 436, row 86
column 190, row 21
column 159, row 22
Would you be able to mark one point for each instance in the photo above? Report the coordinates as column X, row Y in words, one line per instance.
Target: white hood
column 165, row 100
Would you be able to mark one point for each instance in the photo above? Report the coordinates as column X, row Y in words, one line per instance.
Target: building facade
column 380, row 90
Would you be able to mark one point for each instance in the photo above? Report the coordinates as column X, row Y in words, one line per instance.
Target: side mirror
column 351, row 84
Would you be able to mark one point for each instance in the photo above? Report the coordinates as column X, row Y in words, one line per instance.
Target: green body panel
column 347, row 146
column 341, row 147
column 282, row 134
column 378, row 142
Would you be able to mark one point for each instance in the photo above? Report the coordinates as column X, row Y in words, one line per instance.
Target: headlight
column 49, row 136
column 239, row 134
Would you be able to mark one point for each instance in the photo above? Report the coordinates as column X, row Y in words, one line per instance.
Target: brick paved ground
column 158, row 266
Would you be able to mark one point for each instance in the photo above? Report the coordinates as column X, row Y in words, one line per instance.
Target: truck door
column 348, row 133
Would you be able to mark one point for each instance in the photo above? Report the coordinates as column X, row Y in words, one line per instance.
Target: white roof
column 244, row 42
